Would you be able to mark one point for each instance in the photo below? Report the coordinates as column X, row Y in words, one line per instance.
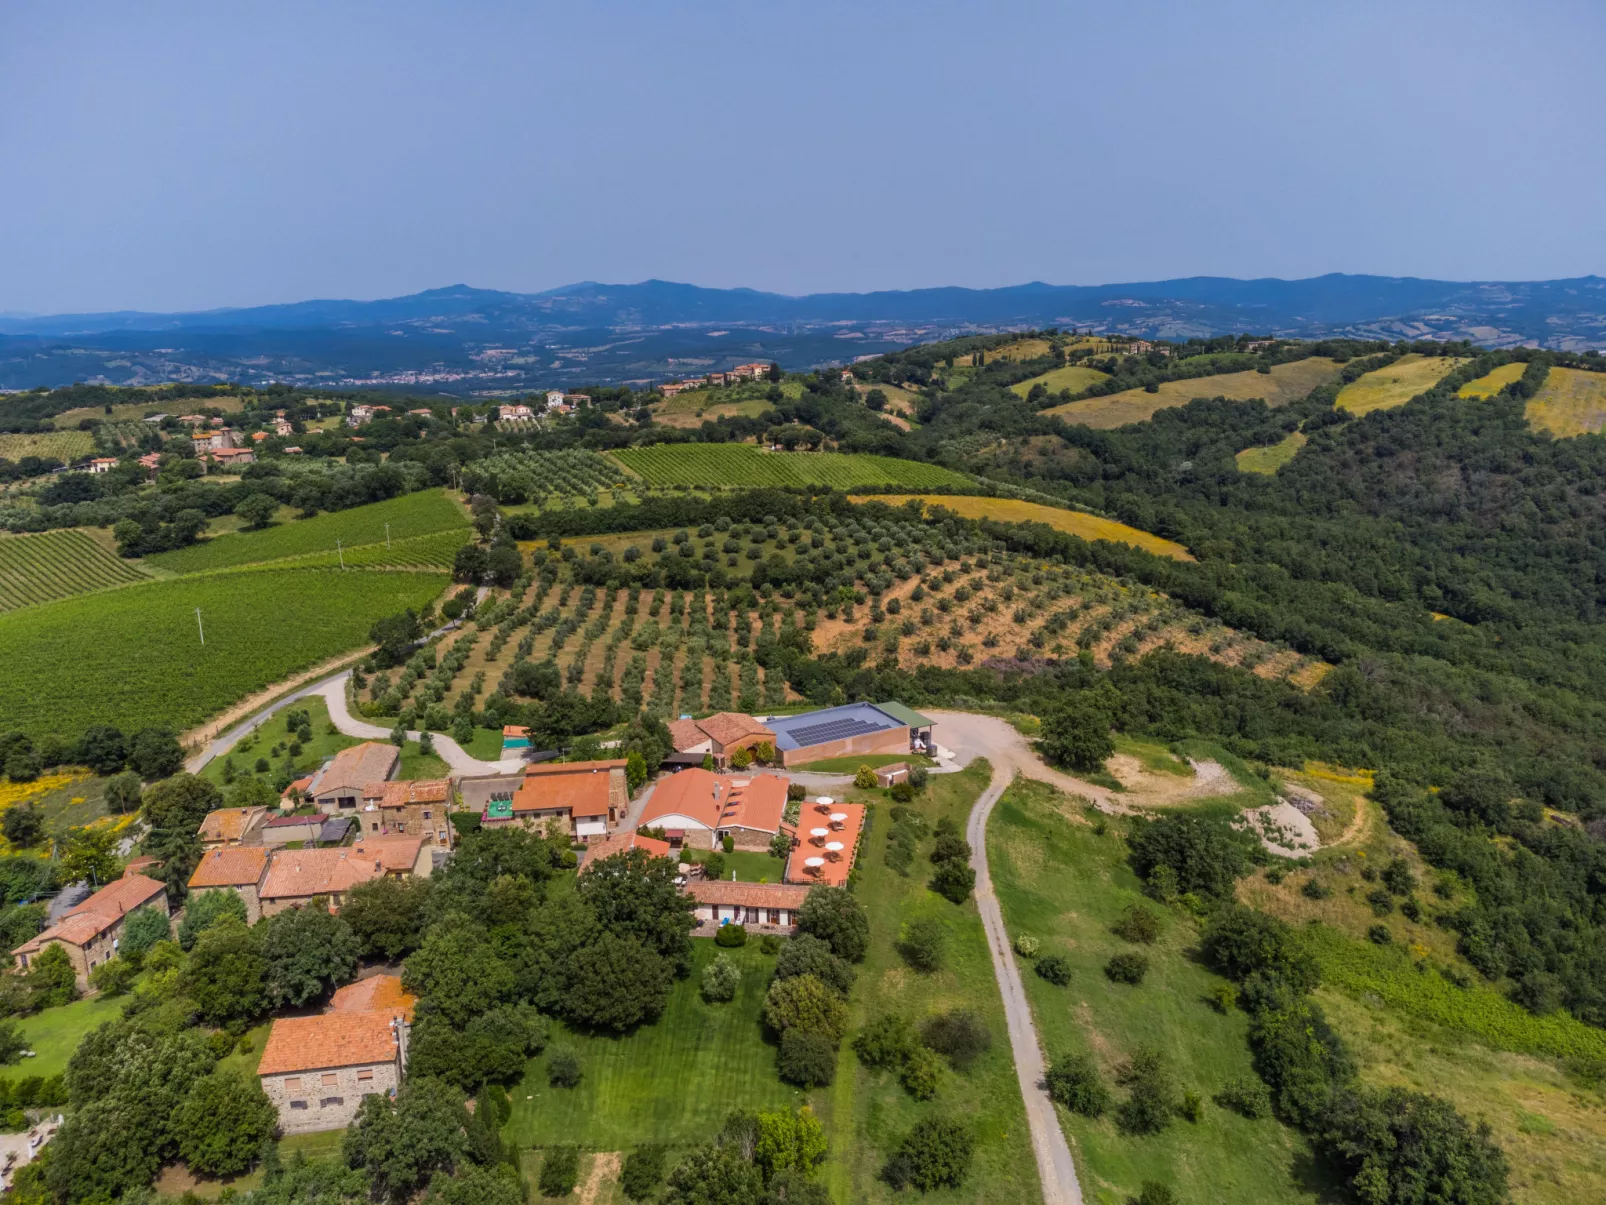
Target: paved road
column 982, row 736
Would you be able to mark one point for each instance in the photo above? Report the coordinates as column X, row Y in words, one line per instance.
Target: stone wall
column 317, row 1109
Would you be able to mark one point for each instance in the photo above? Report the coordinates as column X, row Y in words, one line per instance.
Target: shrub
column 1381, row 901
column 1246, row 1095
column 720, row 980
column 1380, row 934
column 1138, row 924
column 563, row 1068
column 113, row 977
column 1027, row 946
column 1127, row 968
column 836, row 917
column 1153, row 1192
column 1054, row 968
column 560, row 1171
column 1410, row 909
column 959, row 1035
column 1315, row 889
column 643, row 1172
column 804, row 1002
column 951, row 847
column 1222, row 998
column 806, row 955
column 921, row 1075
column 1397, row 877
column 1073, row 1080
column 922, row 944
column 934, row 1154
column 865, row 778
column 806, row 1058
column 954, row 881
column 1151, row 1097
column 1201, row 854
column 731, row 936
column 770, row 944
column 1191, row 1107
column 885, row 1042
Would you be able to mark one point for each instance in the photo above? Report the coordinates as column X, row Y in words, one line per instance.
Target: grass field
column 1285, row 383
column 57, row 564
column 65, row 446
column 671, row 1082
column 866, row 1111
column 1385, row 388
column 1066, row 885
column 1571, row 402
column 744, row 465
column 1075, row 522
column 698, row 406
column 1494, row 382
column 899, row 400
column 436, row 551
column 55, row 1033
column 1075, row 377
column 425, row 513
column 850, row 765
column 1271, row 458
column 274, row 734
column 132, row 657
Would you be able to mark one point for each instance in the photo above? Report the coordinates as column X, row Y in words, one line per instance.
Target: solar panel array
column 833, row 730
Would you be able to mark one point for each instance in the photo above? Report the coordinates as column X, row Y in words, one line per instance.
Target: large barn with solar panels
column 852, row 730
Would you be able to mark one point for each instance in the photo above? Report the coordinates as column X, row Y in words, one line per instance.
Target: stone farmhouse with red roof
column 91, row 931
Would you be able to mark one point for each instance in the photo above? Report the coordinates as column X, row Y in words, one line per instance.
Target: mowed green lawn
column 1059, row 881
column 55, row 1033
column 868, row 1112
column 672, row 1082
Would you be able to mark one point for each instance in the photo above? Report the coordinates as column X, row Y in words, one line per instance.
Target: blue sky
column 180, row 156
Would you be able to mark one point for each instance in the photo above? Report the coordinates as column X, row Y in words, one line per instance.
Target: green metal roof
column 904, row 715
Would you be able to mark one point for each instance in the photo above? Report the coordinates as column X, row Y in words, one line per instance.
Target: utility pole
column 387, row 536
column 198, row 626
column 340, row 552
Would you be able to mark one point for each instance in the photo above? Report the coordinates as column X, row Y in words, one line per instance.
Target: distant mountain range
column 463, row 340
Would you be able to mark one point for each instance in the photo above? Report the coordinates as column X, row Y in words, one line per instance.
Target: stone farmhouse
column 316, row 1070
column 409, row 809
column 720, row 735
column 583, row 799
column 91, row 931
column 697, row 808
column 239, row 868
column 622, row 843
column 232, row 826
column 298, row 876
column 338, row 786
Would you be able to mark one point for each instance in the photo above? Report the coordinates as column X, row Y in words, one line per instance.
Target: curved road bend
column 972, row 736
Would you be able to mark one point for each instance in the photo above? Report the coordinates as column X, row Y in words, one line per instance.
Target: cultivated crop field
column 1075, row 377
column 744, row 465
column 1075, row 522
column 524, row 476
column 65, row 446
column 424, row 513
column 1272, row 457
column 1494, row 382
column 437, row 551
column 1571, row 402
column 132, row 657
column 1283, row 384
column 1385, row 388
column 48, row 565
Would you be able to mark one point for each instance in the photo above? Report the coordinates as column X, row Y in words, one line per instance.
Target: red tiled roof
column 579, row 788
column 303, row 873
column 339, row 1039
column 400, row 794
column 356, row 767
column 235, row 866
column 229, row 824
column 692, row 793
column 377, row 993
column 759, row 804
column 685, row 734
column 727, row 727
column 98, row 913
column 620, row 843
column 748, row 895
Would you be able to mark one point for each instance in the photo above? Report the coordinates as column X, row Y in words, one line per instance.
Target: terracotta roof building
column 90, row 932
column 584, row 799
column 622, row 843
column 377, row 993
column 720, row 734
column 767, row 907
column 748, row 807
column 316, row 1070
column 231, row 826
column 409, row 809
column 298, row 876
column 339, row 785
column 239, row 868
